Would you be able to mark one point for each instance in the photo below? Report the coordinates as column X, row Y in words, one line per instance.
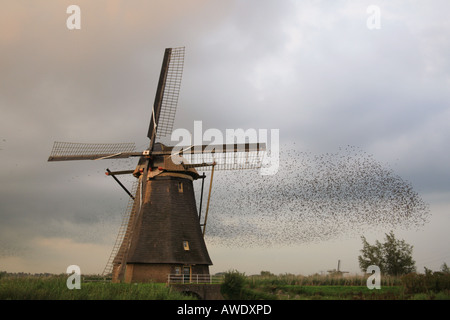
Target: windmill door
column 186, row 274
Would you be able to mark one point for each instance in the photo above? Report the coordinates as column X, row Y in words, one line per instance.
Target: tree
column 393, row 257
column 445, row 269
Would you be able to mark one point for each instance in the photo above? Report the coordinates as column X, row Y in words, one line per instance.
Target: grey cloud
column 313, row 71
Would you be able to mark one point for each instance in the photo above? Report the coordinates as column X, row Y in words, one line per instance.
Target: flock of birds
column 312, row 198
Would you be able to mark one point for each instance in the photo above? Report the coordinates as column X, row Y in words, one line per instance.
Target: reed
column 55, row 288
column 319, row 280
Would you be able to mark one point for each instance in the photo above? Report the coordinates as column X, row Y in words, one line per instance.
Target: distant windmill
column 162, row 233
column 337, row 272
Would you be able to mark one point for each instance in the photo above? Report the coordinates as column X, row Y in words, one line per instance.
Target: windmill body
column 163, row 233
column 164, row 236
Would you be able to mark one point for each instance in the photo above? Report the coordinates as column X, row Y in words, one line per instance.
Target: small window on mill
column 186, row 245
column 180, row 187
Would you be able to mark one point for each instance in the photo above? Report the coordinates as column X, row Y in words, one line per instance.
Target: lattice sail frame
column 224, row 157
column 132, row 208
column 92, row 151
column 171, row 92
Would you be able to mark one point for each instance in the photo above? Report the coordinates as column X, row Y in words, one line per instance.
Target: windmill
column 162, row 232
column 337, row 272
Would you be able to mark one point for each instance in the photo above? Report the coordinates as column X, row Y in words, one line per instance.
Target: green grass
column 55, row 288
column 237, row 286
column 337, row 292
column 320, row 287
column 319, row 280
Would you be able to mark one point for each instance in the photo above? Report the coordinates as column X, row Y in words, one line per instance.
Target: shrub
column 233, row 284
column 424, row 283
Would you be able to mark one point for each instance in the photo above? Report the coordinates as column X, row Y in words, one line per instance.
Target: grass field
column 237, row 287
column 319, row 287
column 337, row 292
column 55, row 288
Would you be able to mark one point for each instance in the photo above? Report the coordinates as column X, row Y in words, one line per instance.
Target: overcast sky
column 312, row 69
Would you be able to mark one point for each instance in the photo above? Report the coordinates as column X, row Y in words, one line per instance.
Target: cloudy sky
column 312, row 69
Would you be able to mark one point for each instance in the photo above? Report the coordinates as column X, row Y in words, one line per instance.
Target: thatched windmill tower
column 163, row 231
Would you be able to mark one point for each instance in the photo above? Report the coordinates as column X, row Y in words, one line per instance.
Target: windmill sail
column 130, row 212
column 63, row 151
column 224, row 156
column 224, row 161
column 166, row 99
column 119, row 253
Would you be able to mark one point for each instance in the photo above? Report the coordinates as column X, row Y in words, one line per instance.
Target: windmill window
column 186, row 245
column 177, row 270
column 180, row 187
